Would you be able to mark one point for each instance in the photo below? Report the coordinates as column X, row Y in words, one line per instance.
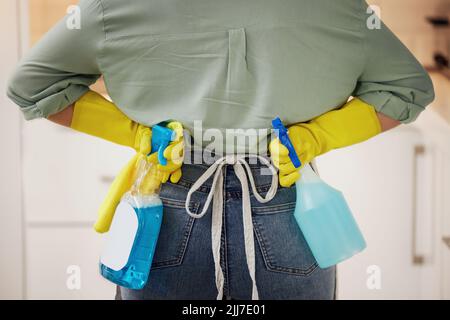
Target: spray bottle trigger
column 282, row 132
column 161, row 137
column 161, row 159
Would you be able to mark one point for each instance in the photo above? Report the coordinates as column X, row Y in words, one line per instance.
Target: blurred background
column 53, row 179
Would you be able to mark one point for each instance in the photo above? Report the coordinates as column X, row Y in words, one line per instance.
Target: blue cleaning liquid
column 326, row 221
column 322, row 212
column 136, row 272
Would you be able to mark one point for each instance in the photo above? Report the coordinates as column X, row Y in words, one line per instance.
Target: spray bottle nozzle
column 282, row 133
column 161, row 137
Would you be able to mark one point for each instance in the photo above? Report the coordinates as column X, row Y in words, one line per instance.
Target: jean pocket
column 175, row 232
column 283, row 247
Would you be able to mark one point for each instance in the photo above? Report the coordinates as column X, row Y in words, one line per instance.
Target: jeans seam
column 271, row 266
column 187, row 184
column 179, row 204
column 237, row 194
column 183, row 246
column 275, row 209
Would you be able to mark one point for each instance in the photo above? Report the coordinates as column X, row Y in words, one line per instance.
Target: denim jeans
column 183, row 266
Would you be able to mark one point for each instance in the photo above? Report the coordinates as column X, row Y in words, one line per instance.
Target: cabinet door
column 436, row 276
column 62, row 263
column 67, row 174
column 442, row 226
column 378, row 179
column 445, row 244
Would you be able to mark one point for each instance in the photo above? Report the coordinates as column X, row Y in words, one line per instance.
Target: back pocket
column 283, row 247
column 174, row 234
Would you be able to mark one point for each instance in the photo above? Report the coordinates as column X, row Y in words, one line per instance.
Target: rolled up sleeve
column 393, row 81
column 59, row 69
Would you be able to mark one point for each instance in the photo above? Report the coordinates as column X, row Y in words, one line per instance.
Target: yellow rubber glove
column 95, row 115
column 174, row 154
column 355, row 122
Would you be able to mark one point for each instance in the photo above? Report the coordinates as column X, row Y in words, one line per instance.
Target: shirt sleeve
column 392, row 81
column 62, row 65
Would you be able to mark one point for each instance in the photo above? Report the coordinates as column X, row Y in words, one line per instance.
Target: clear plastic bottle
column 326, row 220
column 322, row 213
column 128, row 255
column 148, row 208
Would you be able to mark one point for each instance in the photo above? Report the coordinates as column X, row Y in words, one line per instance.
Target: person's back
column 232, row 64
column 229, row 64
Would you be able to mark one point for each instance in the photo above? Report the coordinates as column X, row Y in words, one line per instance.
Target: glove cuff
column 142, row 143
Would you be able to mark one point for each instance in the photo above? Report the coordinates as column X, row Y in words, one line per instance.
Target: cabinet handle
column 446, row 241
column 106, row 179
column 417, row 259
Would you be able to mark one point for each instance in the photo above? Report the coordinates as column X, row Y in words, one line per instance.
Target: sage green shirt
column 226, row 63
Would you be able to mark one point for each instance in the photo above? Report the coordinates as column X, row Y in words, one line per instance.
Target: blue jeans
column 183, row 266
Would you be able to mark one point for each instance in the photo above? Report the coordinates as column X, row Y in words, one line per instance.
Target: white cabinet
column 67, row 173
column 394, row 185
column 52, row 182
column 66, row 176
column 62, row 263
column 11, row 254
column 444, row 246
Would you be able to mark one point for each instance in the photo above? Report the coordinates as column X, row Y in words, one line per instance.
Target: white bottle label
column 120, row 238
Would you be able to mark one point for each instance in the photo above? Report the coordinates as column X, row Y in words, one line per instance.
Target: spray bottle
column 128, row 254
column 322, row 213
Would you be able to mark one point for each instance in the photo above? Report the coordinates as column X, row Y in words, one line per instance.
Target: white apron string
column 216, row 193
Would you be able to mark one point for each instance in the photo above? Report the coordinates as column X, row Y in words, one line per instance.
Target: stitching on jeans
column 187, row 235
column 183, row 245
column 186, row 184
column 178, row 204
column 279, row 208
column 182, row 249
column 269, row 263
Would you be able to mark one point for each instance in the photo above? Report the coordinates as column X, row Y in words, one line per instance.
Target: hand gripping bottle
column 127, row 257
column 322, row 213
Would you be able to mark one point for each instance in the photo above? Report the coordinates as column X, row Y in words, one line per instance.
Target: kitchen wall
column 407, row 18
column 44, row 14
